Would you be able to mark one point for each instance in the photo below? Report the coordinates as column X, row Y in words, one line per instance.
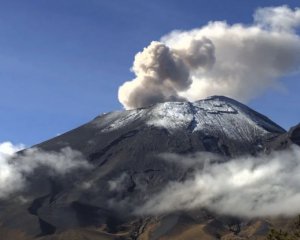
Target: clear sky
column 62, row 61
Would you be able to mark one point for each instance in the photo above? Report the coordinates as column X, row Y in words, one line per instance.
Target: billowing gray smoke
column 239, row 61
column 163, row 72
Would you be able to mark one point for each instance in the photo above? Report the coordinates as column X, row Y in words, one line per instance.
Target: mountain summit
column 216, row 117
column 124, row 150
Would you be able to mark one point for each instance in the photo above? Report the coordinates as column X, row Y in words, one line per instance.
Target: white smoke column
column 239, row 61
column 14, row 169
column 267, row 185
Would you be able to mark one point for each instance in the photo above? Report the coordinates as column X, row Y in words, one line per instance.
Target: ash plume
column 162, row 72
column 240, row 61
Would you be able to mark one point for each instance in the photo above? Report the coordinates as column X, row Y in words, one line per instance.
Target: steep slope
column 124, row 149
column 217, row 116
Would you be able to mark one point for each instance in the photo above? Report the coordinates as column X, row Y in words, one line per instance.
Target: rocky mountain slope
column 124, row 151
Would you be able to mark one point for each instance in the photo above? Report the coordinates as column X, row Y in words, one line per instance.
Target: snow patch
column 171, row 115
column 121, row 119
column 213, row 115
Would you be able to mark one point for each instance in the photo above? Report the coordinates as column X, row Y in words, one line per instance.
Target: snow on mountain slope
column 124, row 149
column 210, row 115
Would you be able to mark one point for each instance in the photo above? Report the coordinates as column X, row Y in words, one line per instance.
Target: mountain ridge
column 124, row 150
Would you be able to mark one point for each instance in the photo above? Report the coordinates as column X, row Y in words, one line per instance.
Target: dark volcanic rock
column 294, row 134
column 124, row 149
column 285, row 140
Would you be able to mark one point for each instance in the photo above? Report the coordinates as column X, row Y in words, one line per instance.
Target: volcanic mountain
column 123, row 150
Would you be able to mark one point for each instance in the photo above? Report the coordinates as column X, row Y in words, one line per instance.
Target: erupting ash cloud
column 14, row 169
column 267, row 185
column 239, row 61
column 162, row 72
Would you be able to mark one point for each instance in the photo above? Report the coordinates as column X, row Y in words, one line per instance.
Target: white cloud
column 239, row 61
column 8, row 148
column 119, row 184
column 15, row 168
column 267, row 185
column 279, row 18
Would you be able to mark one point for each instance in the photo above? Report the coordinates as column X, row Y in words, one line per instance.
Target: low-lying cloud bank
column 267, row 185
column 239, row 61
column 8, row 148
column 14, row 169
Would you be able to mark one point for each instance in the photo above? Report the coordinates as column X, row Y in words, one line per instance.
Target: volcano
column 124, row 151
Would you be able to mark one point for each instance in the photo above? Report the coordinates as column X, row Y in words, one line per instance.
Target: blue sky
column 62, row 61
